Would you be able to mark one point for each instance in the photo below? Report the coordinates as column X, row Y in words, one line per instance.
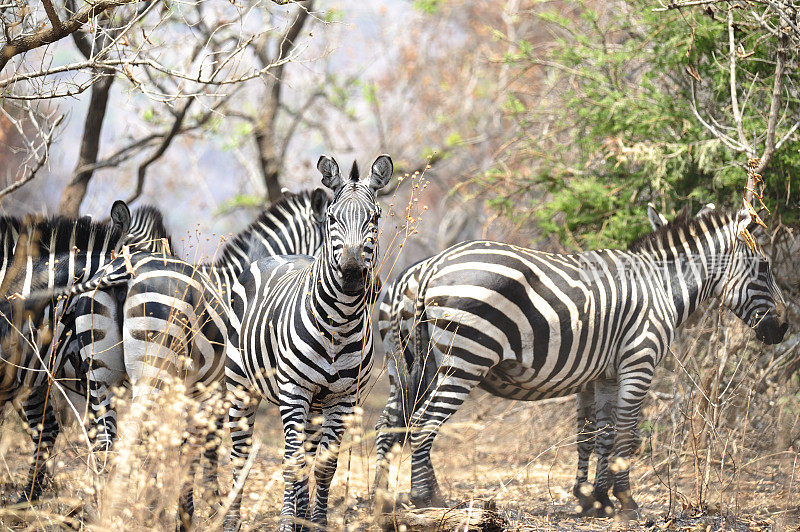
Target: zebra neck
column 331, row 308
column 688, row 277
column 222, row 277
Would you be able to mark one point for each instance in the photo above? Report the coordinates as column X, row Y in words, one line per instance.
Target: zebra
column 527, row 325
column 300, row 337
column 38, row 341
column 290, row 225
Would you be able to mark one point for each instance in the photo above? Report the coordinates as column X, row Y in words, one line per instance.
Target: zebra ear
column 121, row 216
column 319, row 203
column 331, row 177
column 743, row 220
column 657, row 220
column 381, row 172
column 708, row 207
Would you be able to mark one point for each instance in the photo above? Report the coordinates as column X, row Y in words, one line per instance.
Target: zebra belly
column 526, row 325
column 511, row 380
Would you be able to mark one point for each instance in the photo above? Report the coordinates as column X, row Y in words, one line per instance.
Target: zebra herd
column 284, row 315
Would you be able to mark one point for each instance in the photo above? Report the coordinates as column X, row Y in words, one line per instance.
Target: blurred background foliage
column 619, row 121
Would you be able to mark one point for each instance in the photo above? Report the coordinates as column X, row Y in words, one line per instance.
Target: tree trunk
column 75, row 191
column 268, row 156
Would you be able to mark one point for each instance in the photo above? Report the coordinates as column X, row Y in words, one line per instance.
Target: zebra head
column 352, row 221
column 750, row 290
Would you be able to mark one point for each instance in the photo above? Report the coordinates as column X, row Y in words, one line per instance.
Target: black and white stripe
column 528, row 325
column 301, row 338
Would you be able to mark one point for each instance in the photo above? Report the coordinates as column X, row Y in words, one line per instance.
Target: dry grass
column 520, row 455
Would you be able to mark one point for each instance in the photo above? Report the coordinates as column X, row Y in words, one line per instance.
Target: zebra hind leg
column 37, row 412
column 605, row 408
column 447, row 396
column 583, row 490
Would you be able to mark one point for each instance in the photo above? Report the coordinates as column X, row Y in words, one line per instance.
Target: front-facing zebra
column 300, row 337
column 528, row 325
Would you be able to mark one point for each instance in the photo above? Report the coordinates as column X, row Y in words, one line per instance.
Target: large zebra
column 528, row 325
column 301, row 338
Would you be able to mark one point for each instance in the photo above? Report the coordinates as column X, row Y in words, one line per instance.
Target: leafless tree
column 185, row 61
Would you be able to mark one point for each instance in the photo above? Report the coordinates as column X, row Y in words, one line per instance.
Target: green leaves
column 625, row 81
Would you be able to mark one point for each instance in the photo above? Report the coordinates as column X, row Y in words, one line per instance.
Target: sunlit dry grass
column 521, row 455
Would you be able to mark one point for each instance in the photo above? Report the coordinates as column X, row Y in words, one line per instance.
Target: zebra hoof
column 383, row 502
column 427, row 499
column 586, row 501
column 231, row 524
column 32, row 492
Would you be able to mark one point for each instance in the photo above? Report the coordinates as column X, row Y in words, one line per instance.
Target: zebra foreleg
column 605, row 402
column 325, row 465
column 295, row 405
column 242, row 414
column 587, row 432
column 37, row 412
column 629, row 405
column 447, row 396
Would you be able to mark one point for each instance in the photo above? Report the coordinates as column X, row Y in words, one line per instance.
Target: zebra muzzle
column 770, row 330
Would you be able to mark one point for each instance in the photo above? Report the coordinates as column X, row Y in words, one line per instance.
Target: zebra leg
column 295, row 404
column 325, row 466
column 390, row 423
column 452, row 389
column 211, row 464
column 631, row 394
column 605, row 402
column 37, row 412
column 586, row 442
column 186, row 500
column 241, row 416
column 100, row 338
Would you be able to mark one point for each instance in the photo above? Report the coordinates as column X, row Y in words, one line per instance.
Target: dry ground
column 518, row 454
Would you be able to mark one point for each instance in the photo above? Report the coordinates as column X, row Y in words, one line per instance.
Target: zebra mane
column 354, row 173
column 156, row 228
column 683, row 223
column 242, row 242
column 60, row 229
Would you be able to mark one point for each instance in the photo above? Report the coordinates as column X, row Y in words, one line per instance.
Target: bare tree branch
column 737, row 115
column 165, row 142
column 777, row 89
column 50, row 9
column 48, row 139
column 45, row 36
column 264, row 131
column 74, row 192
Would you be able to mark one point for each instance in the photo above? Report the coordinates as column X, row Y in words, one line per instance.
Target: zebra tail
column 421, row 365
